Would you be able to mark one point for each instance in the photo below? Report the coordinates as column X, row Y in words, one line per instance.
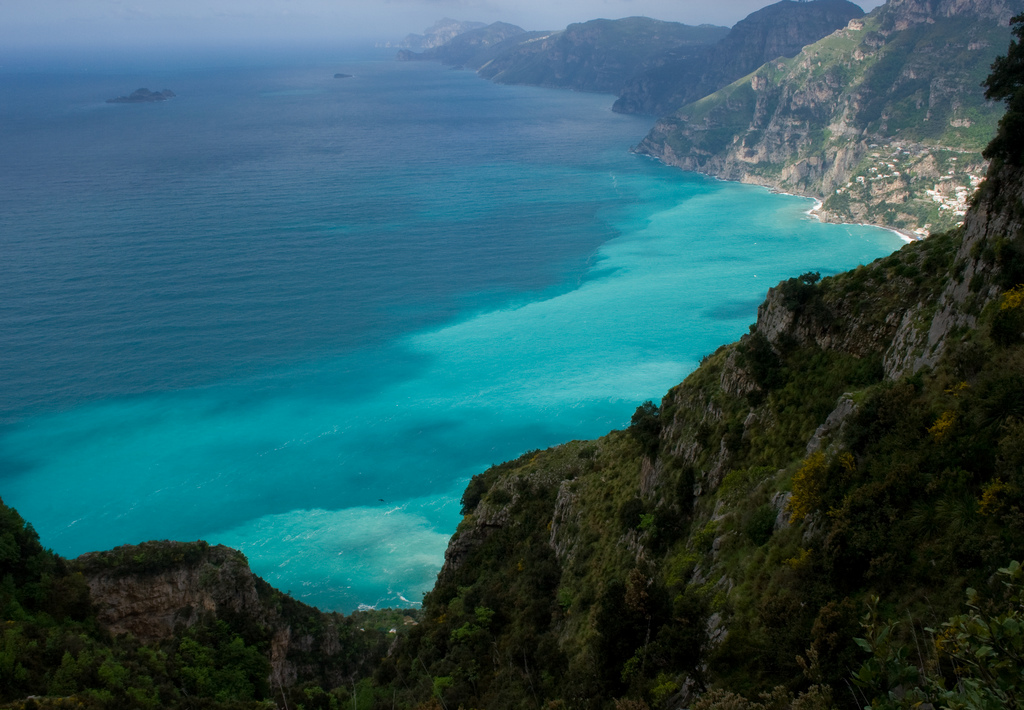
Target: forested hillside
column 884, row 120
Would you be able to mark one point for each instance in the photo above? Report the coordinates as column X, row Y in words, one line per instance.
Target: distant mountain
column 654, row 66
column 779, row 30
column 884, row 120
column 473, row 48
column 442, row 31
column 600, row 55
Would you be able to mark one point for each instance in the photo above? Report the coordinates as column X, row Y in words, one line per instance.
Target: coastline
column 907, row 236
column 815, row 211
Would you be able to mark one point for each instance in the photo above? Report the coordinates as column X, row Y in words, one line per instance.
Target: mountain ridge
column 778, row 30
column 599, row 55
column 651, row 64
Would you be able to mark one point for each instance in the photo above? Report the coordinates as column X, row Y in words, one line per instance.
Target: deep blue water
column 294, row 314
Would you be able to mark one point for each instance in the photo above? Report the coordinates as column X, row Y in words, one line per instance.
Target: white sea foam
column 376, row 549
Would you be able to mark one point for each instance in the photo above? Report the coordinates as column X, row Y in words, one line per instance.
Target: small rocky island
column 342, row 76
column 143, row 96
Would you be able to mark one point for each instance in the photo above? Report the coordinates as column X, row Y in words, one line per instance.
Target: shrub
column 761, row 525
column 645, row 426
column 808, row 486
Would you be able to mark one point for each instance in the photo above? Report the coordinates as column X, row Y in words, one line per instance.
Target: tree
column 1006, row 83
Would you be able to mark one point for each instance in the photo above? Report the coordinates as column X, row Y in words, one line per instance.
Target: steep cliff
column 157, row 590
column 864, row 439
column 884, row 120
column 778, row 30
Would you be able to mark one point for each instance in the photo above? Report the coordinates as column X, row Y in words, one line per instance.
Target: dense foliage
column 51, row 645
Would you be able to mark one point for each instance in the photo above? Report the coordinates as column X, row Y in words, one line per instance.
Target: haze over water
column 294, row 314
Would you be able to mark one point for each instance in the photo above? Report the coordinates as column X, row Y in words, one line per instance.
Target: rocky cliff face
column 902, row 14
column 884, row 120
column 196, row 581
column 917, row 326
column 157, row 590
column 778, row 30
column 988, row 262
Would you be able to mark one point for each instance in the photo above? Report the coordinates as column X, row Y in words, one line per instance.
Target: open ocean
column 294, row 314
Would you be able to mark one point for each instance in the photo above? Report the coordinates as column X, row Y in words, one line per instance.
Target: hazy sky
column 139, row 22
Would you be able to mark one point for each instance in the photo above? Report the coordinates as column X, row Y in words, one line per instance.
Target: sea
column 294, row 314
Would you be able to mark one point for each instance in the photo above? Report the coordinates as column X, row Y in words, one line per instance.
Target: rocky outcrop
column 832, row 429
column 987, row 262
column 487, row 518
column 170, row 586
column 157, row 590
column 565, row 521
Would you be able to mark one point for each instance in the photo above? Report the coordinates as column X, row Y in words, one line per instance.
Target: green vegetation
column 973, row 660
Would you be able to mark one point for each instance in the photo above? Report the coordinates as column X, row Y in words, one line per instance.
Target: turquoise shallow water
column 374, row 292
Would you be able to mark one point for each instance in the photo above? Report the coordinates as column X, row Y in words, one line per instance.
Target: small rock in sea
column 142, row 96
column 342, row 76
